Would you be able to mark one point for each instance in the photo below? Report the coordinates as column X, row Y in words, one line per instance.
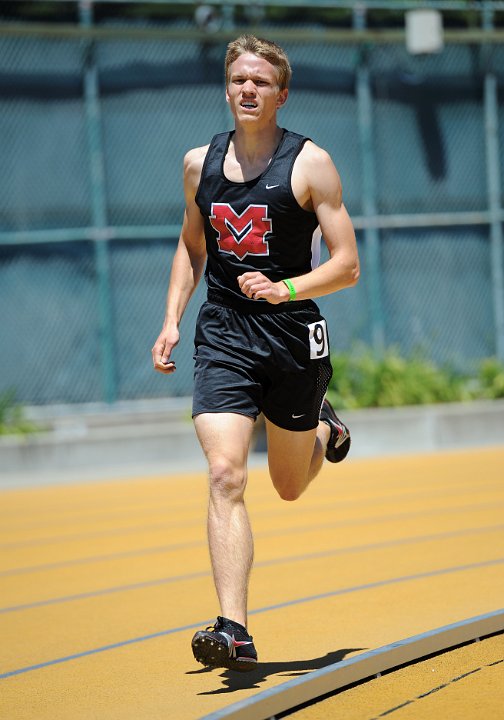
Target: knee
column 289, row 494
column 288, row 489
column 226, row 479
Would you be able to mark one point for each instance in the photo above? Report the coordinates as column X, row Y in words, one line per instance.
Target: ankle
column 242, row 626
column 324, row 433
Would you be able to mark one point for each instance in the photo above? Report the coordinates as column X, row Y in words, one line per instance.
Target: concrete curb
column 288, row 695
column 426, row 428
column 158, row 436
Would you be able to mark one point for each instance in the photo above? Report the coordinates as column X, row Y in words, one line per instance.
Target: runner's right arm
column 188, row 264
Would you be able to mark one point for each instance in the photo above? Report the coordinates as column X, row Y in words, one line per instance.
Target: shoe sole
column 211, row 653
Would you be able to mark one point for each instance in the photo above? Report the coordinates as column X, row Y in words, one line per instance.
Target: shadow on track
column 233, row 681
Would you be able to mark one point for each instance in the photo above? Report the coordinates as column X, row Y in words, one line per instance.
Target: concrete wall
column 147, row 437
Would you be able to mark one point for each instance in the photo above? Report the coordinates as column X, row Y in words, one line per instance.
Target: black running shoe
column 339, row 440
column 225, row 644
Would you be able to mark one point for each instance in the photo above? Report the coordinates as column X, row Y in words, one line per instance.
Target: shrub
column 365, row 379
column 12, row 419
column 491, row 379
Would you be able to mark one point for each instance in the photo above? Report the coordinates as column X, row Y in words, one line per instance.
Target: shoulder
column 194, row 159
column 193, row 165
column 313, row 157
column 318, row 167
column 316, row 176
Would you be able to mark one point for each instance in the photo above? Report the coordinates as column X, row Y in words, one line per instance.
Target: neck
column 255, row 146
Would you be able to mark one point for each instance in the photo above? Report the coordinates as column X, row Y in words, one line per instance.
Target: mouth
column 248, row 105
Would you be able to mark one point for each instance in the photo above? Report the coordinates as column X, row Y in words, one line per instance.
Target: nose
column 248, row 86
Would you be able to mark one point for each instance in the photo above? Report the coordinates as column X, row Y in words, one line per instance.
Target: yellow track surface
column 103, row 584
column 467, row 682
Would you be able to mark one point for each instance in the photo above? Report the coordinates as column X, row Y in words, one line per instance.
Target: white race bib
column 319, row 343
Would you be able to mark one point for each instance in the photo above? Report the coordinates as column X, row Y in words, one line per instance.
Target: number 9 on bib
column 319, row 343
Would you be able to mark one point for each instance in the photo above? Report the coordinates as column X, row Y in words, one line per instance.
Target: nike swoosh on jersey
column 270, row 187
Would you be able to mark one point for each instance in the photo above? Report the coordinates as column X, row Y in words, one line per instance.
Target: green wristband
column 292, row 289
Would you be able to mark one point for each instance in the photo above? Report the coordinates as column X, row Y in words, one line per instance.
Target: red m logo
column 242, row 234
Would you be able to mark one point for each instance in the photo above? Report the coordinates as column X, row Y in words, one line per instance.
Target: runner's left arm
column 320, row 190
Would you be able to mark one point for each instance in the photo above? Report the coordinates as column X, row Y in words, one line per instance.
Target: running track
column 102, row 584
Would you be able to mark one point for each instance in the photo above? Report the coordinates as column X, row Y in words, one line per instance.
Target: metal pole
column 371, row 234
column 494, row 196
column 99, row 211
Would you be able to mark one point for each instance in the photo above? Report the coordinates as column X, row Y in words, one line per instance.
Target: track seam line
column 257, row 611
column 261, row 534
column 140, row 528
column 264, row 563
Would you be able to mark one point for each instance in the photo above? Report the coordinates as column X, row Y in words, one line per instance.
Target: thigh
column 289, row 454
column 224, row 437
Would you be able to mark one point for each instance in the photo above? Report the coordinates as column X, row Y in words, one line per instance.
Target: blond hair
column 266, row 49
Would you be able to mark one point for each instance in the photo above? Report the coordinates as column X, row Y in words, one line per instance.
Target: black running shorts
column 276, row 362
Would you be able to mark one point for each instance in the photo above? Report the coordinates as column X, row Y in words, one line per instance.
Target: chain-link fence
column 92, row 137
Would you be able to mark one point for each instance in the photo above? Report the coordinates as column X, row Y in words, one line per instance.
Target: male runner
column 254, row 198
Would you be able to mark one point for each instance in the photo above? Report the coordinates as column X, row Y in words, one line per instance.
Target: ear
column 282, row 97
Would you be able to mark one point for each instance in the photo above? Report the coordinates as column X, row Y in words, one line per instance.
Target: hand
column 162, row 349
column 255, row 285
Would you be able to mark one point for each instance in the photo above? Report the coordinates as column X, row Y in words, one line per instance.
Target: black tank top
column 254, row 225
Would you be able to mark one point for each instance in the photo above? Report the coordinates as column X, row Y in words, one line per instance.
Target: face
column 252, row 91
